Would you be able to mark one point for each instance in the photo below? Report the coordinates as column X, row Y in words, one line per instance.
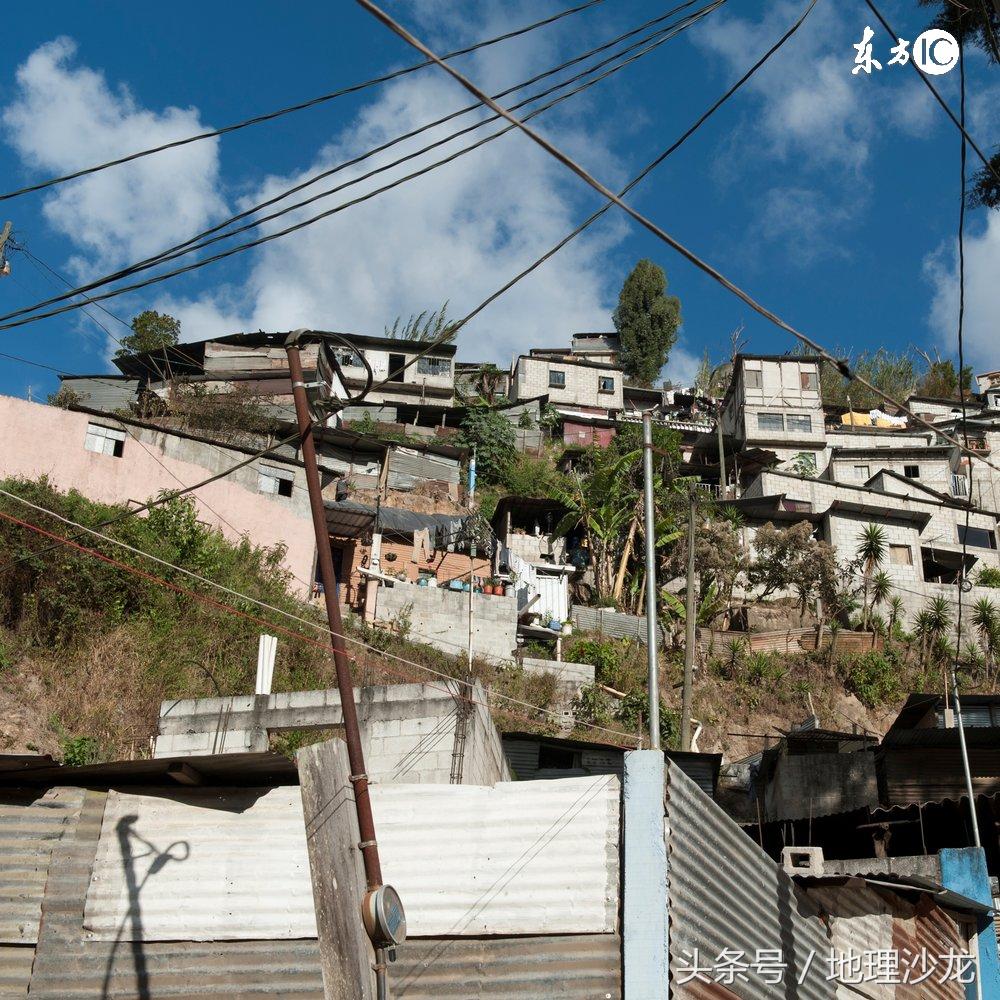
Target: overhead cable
column 313, row 102
column 11, row 320
column 702, row 265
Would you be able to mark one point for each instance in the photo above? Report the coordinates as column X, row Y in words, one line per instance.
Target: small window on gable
column 557, row 379
column 900, row 555
column 277, row 482
column 751, row 376
column 605, row 384
column 862, row 473
column 105, row 440
column 911, row 471
column 810, row 380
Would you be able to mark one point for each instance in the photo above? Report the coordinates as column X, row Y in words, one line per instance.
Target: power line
column 184, row 249
column 344, row 164
column 960, row 125
column 313, row 102
column 702, row 265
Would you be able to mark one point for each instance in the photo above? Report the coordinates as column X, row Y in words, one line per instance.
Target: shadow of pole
column 126, row 834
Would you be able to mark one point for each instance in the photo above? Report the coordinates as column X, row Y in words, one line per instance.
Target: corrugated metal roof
column 15, row 970
column 31, row 823
column 69, row 966
column 102, row 392
column 584, row 966
column 522, row 858
column 724, row 892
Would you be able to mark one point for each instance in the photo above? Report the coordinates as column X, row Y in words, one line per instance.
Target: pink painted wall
column 38, row 440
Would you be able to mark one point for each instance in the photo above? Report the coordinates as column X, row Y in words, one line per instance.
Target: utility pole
column 652, row 645
column 8, row 228
column 722, row 451
column 345, row 684
column 472, row 549
column 689, row 627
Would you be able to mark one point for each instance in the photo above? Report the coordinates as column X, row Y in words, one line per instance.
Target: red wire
column 222, row 606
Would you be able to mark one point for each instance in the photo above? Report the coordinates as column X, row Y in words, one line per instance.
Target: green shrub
column 873, row 677
column 988, row 576
column 604, row 655
column 79, row 750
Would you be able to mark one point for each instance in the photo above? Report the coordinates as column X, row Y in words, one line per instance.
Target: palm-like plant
column 986, row 622
column 934, row 622
column 895, row 613
column 872, row 548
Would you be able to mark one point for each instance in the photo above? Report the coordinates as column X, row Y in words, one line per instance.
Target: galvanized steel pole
column 345, row 684
column 689, row 629
column 965, row 755
column 652, row 647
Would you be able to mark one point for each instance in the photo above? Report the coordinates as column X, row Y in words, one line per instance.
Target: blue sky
column 830, row 197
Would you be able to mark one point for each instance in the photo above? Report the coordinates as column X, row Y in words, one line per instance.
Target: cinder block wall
column 440, row 618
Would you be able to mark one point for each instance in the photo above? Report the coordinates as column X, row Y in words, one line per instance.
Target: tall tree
column 150, row 331
column 646, row 320
column 977, row 23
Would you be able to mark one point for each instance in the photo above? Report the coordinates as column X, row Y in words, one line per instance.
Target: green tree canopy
column 492, row 435
column 646, row 320
column 150, row 331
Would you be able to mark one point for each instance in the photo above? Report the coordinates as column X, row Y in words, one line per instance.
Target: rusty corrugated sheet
column 31, row 822
column 570, row 967
column 725, row 893
column 15, row 970
column 915, row 774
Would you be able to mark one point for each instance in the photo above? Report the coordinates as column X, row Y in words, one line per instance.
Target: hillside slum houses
column 398, row 510
column 217, row 868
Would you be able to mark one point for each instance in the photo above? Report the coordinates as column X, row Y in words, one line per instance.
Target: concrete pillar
column 963, row 870
column 644, row 878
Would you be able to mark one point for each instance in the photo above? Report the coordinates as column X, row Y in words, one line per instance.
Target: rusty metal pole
column 345, row 684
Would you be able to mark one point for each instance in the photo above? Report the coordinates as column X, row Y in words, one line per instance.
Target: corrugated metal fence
column 725, row 893
column 611, row 623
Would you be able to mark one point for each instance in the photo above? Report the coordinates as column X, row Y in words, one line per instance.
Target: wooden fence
column 792, row 640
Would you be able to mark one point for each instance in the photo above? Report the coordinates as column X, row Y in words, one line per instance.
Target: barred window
column 434, row 366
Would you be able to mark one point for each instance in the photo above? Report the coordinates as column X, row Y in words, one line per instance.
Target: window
column 605, row 383
column 770, row 422
column 980, row 538
column 911, row 471
column 752, row 378
column 800, row 422
column 959, row 485
column 810, row 380
column 900, row 555
column 862, row 473
column 396, row 369
column 557, row 379
column 105, row 440
column 434, row 366
column 277, row 482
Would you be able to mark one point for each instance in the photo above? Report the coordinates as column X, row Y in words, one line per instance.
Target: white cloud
column 682, row 366
column 806, row 223
column 455, row 234
column 64, row 117
column 982, row 321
